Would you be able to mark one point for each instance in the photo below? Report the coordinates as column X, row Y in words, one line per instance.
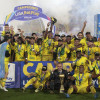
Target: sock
column 70, row 90
column 92, row 89
column 3, row 81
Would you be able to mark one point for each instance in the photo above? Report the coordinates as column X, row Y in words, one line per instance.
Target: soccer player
column 6, row 29
column 27, row 40
column 88, row 36
column 32, row 50
column 35, row 36
column 68, row 40
column 74, row 48
column 5, row 58
column 39, row 55
column 81, row 60
column 15, row 37
column 48, row 44
column 63, row 52
column 90, row 50
column 40, row 79
column 81, row 83
column 19, row 50
column 56, row 38
column 63, row 37
column 80, row 36
column 12, row 30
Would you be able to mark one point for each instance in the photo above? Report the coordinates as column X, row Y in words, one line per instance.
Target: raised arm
column 21, row 34
column 84, row 26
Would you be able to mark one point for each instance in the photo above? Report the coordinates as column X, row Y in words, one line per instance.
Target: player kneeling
column 40, row 79
column 81, row 80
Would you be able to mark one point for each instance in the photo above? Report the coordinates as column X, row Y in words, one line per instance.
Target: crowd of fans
column 83, row 50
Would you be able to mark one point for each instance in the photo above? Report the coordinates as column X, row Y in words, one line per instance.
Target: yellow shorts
column 81, row 89
column 36, row 83
column 47, row 58
column 6, row 67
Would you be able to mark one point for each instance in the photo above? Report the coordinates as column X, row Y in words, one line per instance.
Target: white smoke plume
column 70, row 12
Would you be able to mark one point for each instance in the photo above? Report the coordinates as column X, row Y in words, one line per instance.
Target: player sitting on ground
column 40, row 79
column 82, row 83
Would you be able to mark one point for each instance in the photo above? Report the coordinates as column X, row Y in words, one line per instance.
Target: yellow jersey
column 62, row 53
column 39, row 57
column 19, row 52
column 90, row 52
column 83, row 61
column 3, row 33
column 8, row 48
column 47, row 46
column 30, row 51
column 73, row 53
column 82, row 79
column 42, row 78
column 96, row 66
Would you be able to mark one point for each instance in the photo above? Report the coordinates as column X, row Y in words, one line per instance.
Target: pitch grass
column 29, row 94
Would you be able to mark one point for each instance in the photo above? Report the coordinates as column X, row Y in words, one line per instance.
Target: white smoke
column 70, row 12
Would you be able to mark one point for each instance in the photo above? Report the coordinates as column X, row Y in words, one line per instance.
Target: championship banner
column 13, row 79
column 26, row 69
column 24, row 13
column 26, row 7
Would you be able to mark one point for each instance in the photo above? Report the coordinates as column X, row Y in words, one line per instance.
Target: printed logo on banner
column 11, row 76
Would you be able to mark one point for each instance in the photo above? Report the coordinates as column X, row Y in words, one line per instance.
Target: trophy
column 62, row 81
column 54, row 20
column 32, row 49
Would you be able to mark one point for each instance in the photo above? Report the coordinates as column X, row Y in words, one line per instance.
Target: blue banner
column 2, row 59
column 28, row 14
column 24, row 13
column 19, row 72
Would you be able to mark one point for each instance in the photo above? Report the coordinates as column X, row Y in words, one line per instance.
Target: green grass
column 17, row 94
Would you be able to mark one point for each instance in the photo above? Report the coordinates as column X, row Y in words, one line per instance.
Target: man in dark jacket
column 55, row 80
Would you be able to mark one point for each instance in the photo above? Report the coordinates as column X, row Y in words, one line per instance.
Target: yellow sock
column 3, row 81
column 70, row 90
column 98, row 83
column 92, row 89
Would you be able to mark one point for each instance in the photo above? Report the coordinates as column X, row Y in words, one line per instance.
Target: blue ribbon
column 2, row 57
